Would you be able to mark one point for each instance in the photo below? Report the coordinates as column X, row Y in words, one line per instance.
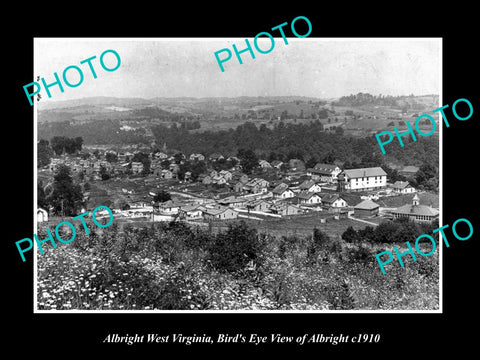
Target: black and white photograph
column 206, row 175
column 220, row 180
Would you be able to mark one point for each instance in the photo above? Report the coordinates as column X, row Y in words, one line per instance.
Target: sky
column 176, row 67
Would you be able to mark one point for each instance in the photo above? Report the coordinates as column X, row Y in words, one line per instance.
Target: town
column 205, row 189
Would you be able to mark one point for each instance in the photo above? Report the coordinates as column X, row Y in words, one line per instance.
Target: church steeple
column 416, row 200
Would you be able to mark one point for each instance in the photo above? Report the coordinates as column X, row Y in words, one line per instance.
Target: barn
column 366, row 208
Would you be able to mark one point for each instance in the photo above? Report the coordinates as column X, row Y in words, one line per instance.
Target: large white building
column 365, row 178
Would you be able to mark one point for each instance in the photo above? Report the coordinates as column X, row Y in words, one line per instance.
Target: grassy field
column 302, row 225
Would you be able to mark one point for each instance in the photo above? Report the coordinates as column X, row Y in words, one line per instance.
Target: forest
column 279, row 141
column 301, row 141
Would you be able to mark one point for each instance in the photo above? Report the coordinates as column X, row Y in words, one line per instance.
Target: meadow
column 168, row 266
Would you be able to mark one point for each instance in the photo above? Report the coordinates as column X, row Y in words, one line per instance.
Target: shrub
column 234, row 249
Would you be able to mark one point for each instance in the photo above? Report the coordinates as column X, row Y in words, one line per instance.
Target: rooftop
column 367, row 205
column 365, row 172
column 400, row 184
column 423, row 210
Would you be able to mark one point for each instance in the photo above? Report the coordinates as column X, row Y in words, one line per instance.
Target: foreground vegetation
column 169, row 266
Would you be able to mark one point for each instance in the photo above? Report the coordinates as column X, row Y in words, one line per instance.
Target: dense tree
column 145, row 160
column 111, row 157
column 104, row 175
column 234, row 249
column 162, row 196
column 62, row 144
column 320, row 238
column 44, row 153
column 41, row 199
column 66, row 197
column 350, row 235
column 248, row 160
column 311, row 162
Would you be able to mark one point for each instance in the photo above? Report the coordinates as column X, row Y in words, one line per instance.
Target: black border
column 408, row 333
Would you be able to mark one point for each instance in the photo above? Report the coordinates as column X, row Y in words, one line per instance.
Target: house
column 310, row 185
column 239, row 177
column 215, row 157
column 403, row 187
column 42, row 215
column 285, row 209
column 257, row 205
column 157, row 171
column 97, row 166
column 416, row 211
column 168, row 207
column 333, row 201
column 366, row 208
column 324, row 172
column 166, row 174
column 220, row 214
column 205, row 179
column 251, row 187
column 121, row 157
column 262, row 183
column 238, row 186
column 365, row 178
column 233, row 201
column 264, row 164
column 282, row 191
column 137, row 167
column 191, row 212
column 233, row 160
column 187, row 176
column 296, row 165
column 213, row 173
column 173, row 167
column 277, row 164
column 256, row 185
column 140, row 203
column 308, row 198
column 196, row 157
column 227, row 175
column 218, row 180
column 160, row 156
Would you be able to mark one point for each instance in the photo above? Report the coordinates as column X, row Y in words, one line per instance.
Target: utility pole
column 63, row 214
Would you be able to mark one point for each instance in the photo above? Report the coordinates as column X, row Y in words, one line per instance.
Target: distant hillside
column 401, row 102
column 94, row 101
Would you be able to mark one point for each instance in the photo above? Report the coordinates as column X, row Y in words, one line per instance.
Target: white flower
column 45, row 294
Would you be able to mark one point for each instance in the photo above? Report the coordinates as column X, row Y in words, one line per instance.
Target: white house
column 191, row 212
column 264, row 164
column 324, row 172
column 198, row 157
column 42, row 215
column 365, row 178
column 227, row 175
column 310, row 186
column 220, row 214
column 282, row 191
column 403, row 187
column 333, row 200
column 306, row 197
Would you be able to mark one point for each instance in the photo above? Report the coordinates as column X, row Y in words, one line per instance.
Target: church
column 416, row 211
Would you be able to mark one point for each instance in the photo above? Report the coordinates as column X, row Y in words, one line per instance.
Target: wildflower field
column 168, row 266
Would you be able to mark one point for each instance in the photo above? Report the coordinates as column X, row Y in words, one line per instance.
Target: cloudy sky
column 174, row 67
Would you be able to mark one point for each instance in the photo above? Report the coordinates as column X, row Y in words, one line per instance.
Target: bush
column 350, row 235
column 360, row 254
column 234, row 249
